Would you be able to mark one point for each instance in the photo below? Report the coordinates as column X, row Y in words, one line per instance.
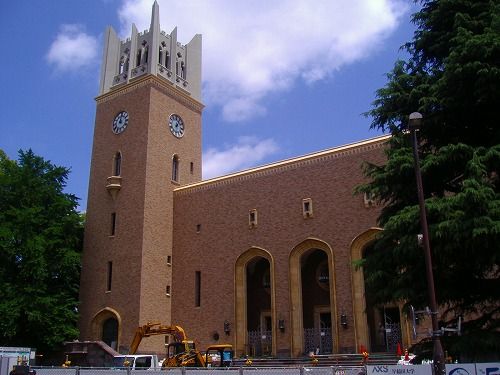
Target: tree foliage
column 40, row 245
column 452, row 77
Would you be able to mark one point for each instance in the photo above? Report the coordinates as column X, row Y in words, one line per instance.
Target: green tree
column 452, row 77
column 40, row 246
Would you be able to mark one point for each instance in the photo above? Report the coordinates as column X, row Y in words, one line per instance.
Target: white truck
column 137, row 361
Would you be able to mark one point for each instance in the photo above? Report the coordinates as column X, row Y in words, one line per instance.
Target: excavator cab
column 175, row 348
column 177, row 352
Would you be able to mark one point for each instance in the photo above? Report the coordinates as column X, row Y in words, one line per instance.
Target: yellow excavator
column 182, row 352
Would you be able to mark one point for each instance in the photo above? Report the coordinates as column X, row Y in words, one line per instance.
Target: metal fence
column 336, row 370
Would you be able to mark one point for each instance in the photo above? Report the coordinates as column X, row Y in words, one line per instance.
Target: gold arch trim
column 241, row 297
column 297, row 336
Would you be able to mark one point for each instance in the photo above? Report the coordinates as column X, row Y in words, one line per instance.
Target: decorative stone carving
column 113, row 185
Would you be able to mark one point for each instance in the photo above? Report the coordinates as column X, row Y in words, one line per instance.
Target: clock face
column 176, row 125
column 120, row 122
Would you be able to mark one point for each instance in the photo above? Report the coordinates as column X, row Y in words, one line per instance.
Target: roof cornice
column 313, row 158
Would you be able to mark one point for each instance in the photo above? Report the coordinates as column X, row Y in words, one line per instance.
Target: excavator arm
column 156, row 328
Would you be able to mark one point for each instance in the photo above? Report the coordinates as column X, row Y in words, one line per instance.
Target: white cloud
column 256, row 48
column 248, row 152
column 72, row 49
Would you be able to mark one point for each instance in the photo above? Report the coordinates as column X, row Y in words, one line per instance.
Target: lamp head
column 415, row 121
column 281, row 325
column 227, row 328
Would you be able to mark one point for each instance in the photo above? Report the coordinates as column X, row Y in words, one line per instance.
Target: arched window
column 122, row 65
column 183, row 70
column 167, row 60
column 178, row 64
column 139, row 56
column 117, row 168
column 175, row 168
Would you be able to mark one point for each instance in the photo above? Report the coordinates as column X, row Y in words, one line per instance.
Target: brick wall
column 221, row 209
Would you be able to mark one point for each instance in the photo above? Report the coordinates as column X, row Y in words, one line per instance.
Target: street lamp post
column 415, row 120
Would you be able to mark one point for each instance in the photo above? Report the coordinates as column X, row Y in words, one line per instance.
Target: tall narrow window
column 167, row 60
column 160, row 56
column 175, row 168
column 118, row 164
column 110, row 276
column 191, row 167
column 146, row 54
column 113, row 223
column 197, row 289
column 252, row 218
column 307, row 208
column 167, row 290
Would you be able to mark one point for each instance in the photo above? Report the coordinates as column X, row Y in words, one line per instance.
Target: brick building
column 262, row 259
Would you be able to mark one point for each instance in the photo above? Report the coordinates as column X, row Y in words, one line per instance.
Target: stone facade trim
column 269, row 169
column 161, row 84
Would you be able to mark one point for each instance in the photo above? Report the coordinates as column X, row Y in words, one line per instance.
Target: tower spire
column 155, row 17
column 154, row 31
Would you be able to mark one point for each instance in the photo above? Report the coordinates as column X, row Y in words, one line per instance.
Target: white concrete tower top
column 151, row 52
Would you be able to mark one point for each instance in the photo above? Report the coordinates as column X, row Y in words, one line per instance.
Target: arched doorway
column 378, row 328
column 106, row 326
column 255, row 304
column 312, row 292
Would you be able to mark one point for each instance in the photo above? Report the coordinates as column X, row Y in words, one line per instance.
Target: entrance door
column 317, row 321
column 110, row 332
column 323, row 323
column 266, row 332
column 392, row 326
column 259, row 316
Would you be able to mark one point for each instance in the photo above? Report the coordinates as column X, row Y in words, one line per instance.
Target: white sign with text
column 400, row 370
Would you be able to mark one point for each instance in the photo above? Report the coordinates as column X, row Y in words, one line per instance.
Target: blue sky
column 281, row 78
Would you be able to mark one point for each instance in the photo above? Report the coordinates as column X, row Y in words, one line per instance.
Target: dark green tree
column 452, row 77
column 40, row 246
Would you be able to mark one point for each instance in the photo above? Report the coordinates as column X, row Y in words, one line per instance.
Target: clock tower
column 147, row 142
